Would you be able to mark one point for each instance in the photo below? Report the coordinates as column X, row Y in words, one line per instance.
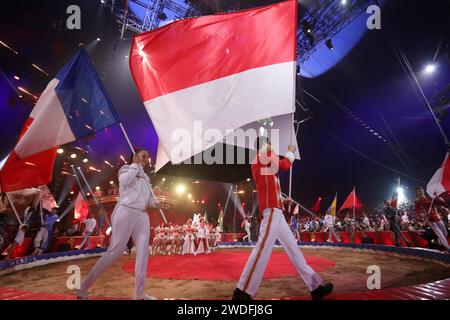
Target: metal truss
column 324, row 18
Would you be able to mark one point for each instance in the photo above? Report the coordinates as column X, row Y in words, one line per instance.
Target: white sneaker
column 145, row 297
column 82, row 295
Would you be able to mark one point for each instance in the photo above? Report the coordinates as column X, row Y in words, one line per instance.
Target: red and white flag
column 81, row 209
column 225, row 70
column 440, row 182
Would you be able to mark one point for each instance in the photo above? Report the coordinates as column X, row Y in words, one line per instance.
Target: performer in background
column 329, row 224
column 426, row 208
column 89, row 224
column 129, row 218
column 392, row 215
column 274, row 227
column 246, row 225
column 39, row 240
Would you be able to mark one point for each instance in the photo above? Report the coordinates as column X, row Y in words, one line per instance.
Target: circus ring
column 406, row 274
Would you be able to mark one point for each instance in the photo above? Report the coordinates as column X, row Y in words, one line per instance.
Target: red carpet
column 222, row 265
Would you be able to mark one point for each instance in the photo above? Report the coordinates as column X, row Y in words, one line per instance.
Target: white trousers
column 125, row 222
column 248, row 236
column 441, row 232
column 332, row 232
column 273, row 227
column 86, row 240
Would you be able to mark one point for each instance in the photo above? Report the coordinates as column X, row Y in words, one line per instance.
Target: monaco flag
column 219, row 72
column 440, row 182
column 74, row 105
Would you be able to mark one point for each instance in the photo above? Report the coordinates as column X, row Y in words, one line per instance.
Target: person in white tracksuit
column 129, row 218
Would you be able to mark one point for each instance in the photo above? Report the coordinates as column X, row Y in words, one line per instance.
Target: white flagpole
column 294, row 70
column 132, row 150
column 354, row 202
column 40, row 209
column 14, row 208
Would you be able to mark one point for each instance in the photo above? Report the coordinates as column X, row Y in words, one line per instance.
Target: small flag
column 332, row 209
column 81, row 209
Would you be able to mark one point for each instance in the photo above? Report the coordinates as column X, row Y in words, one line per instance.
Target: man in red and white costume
column 274, row 226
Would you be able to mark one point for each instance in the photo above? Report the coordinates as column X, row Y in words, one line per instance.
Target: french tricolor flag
column 225, row 70
column 74, row 105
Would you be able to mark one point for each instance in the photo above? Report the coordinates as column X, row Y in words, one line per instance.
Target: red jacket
column 422, row 206
column 265, row 169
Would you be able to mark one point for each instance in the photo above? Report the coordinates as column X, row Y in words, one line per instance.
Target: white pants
column 125, row 222
column 332, row 232
column 273, row 227
column 86, row 240
column 441, row 232
column 248, row 236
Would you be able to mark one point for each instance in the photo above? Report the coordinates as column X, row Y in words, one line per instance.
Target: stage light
column 98, row 39
column 27, row 92
column 111, row 182
column 329, row 44
column 97, row 188
column 40, row 69
column 108, row 231
column 218, row 204
column 73, row 155
column 123, row 159
column 193, row 201
column 71, row 192
column 85, row 160
column 203, row 201
column 126, row 57
column 430, row 68
column 343, row 2
column 401, row 198
column 88, row 194
column 248, row 179
column 180, row 189
column 60, row 151
column 163, row 179
column 102, row 1
column 16, row 77
column 109, row 164
column 189, row 196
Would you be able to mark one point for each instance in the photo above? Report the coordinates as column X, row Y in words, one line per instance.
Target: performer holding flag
column 273, row 227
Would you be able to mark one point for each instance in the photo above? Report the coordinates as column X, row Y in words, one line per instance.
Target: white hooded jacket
column 135, row 188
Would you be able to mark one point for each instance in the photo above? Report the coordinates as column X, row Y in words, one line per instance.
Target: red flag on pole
column 81, row 208
column 351, row 202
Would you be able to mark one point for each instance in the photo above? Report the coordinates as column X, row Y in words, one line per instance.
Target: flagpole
column 294, row 71
column 14, row 208
column 304, row 208
column 140, row 168
column 354, row 202
column 93, row 196
column 40, row 209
